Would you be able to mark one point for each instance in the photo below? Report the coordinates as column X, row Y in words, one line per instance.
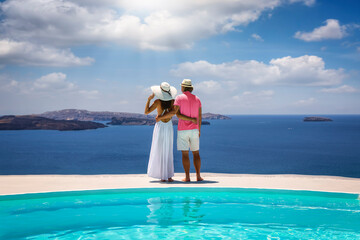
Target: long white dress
column 161, row 160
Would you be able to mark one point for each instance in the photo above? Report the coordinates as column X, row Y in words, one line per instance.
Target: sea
column 251, row 144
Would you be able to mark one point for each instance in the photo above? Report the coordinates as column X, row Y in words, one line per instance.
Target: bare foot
column 170, row 180
column 186, row 180
column 162, row 180
column 199, row 179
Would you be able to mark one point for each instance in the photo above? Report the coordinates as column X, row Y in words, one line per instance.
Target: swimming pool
column 181, row 213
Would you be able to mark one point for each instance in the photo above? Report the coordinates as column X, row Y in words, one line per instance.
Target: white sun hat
column 164, row 92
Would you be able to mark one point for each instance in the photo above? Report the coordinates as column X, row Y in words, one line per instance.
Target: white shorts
column 188, row 139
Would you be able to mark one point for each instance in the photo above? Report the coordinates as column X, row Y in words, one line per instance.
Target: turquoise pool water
column 181, row 213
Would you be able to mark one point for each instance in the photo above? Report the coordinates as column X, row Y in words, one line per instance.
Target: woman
column 161, row 160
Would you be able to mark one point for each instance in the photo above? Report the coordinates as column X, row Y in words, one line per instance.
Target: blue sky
column 244, row 56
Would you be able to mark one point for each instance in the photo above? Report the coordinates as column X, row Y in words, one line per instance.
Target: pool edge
column 32, row 184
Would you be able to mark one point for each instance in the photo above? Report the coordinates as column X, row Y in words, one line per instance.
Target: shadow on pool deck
column 181, row 182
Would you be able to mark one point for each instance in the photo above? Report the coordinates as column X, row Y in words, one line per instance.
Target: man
column 188, row 137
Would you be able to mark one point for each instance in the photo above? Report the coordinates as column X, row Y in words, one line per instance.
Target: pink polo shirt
column 189, row 106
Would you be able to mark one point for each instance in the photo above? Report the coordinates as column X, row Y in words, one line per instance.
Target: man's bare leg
column 186, row 165
column 197, row 164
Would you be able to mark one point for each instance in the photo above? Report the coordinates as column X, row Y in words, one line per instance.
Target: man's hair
column 188, row 89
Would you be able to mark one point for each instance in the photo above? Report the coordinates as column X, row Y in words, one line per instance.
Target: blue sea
column 261, row 144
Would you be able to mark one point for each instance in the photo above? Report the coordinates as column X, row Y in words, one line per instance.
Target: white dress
column 161, row 160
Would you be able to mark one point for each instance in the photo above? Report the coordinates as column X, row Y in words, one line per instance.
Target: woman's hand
column 151, row 96
column 194, row 120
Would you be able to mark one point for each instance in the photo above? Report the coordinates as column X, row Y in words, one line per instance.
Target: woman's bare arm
column 149, row 109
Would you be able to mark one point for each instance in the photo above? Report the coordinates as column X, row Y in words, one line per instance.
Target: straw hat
column 186, row 83
column 164, row 92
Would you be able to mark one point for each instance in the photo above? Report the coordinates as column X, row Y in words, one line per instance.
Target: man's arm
column 172, row 112
column 186, row 118
column 200, row 119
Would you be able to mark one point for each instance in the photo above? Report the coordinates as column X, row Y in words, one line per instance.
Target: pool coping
column 23, row 184
column 177, row 190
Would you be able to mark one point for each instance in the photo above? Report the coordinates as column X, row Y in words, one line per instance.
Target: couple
column 187, row 108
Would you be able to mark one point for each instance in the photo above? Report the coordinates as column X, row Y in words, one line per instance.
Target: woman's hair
column 188, row 89
column 165, row 104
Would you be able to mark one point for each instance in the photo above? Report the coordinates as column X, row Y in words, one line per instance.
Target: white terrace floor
column 19, row 184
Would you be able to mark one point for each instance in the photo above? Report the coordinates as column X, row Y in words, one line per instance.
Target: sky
column 243, row 56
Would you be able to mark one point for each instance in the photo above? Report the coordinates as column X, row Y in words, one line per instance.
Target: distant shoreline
column 85, row 115
column 233, row 114
column 77, row 119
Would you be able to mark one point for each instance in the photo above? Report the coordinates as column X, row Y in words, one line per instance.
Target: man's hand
column 199, row 133
column 194, row 120
column 151, row 96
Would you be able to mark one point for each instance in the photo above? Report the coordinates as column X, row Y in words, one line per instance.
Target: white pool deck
column 21, row 184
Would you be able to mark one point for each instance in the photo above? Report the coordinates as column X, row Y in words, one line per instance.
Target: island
column 85, row 115
column 317, row 119
column 212, row 116
column 33, row 122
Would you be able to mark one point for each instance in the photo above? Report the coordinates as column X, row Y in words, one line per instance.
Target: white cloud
column 54, row 85
column 57, row 91
column 89, row 94
column 24, row 53
column 251, row 94
column 208, row 87
column 253, row 99
column 151, row 24
column 122, row 102
column 301, row 71
column 53, row 82
column 331, row 30
column 306, row 2
column 257, row 37
column 7, row 84
column 341, row 89
column 306, row 102
column 267, row 93
column 245, row 93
